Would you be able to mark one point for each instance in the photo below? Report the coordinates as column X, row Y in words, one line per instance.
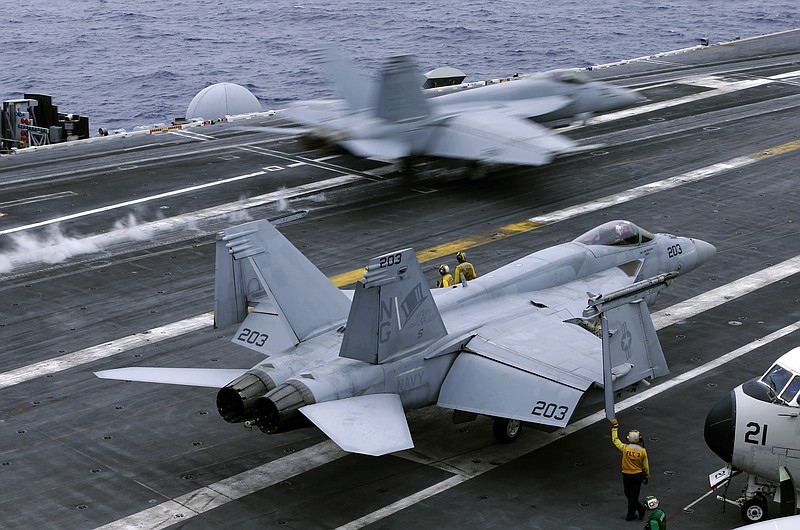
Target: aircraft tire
column 754, row 510
column 506, row 430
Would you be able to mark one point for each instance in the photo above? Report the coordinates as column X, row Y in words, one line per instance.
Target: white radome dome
column 222, row 99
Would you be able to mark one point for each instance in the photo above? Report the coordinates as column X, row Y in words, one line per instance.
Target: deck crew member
column 635, row 469
column 464, row 269
column 657, row 520
column 447, row 279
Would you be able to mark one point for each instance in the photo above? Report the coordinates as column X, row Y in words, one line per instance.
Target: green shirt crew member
column 657, row 519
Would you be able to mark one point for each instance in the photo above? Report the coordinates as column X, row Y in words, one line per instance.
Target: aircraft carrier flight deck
column 107, row 261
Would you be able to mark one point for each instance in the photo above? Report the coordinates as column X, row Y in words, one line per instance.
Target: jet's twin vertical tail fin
column 351, row 86
column 255, row 261
column 393, row 310
column 400, row 96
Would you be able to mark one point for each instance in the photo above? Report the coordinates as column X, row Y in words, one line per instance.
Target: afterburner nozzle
column 236, row 400
column 280, row 409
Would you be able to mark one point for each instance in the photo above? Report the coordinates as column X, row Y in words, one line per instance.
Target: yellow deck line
column 450, row 248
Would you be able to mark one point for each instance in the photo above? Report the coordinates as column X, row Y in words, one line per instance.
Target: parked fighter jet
column 393, row 120
column 754, row 429
column 525, row 343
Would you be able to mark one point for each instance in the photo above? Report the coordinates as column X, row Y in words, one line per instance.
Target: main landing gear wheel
column 505, row 430
column 754, row 510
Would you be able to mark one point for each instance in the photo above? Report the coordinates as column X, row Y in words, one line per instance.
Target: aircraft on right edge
column 754, row 429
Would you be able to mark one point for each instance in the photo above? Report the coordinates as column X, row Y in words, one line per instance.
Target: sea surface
column 126, row 64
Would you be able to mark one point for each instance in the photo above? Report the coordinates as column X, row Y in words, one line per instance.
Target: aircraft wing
column 206, row 377
column 495, row 137
column 534, row 368
column 374, row 424
column 521, row 108
column 537, row 367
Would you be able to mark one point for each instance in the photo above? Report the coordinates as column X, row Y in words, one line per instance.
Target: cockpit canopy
column 783, row 379
column 615, row 233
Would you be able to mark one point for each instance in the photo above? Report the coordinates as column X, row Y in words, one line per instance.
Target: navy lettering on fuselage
column 409, row 382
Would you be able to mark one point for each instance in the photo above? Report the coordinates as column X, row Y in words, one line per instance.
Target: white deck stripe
column 132, row 202
column 214, row 495
column 721, row 87
column 212, row 498
column 647, row 189
column 725, row 293
column 102, row 351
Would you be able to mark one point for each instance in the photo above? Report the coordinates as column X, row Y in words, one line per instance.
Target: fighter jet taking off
column 532, row 341
column 502, row 123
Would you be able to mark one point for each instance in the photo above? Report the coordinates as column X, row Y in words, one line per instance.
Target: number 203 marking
column 550, row 410
column 388, row 261
column 251, row 336
column 674, row 251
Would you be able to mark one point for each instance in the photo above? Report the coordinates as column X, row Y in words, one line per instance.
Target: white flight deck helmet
column 651, row 502
column 634, row 437
column 443, row 269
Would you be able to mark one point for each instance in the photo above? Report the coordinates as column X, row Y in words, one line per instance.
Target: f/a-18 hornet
column 532, row 341
column 393, row 120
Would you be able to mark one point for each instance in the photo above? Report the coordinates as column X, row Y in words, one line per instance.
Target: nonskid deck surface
column 109, row 263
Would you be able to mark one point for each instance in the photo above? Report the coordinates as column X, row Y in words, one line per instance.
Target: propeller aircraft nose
column 720, row 428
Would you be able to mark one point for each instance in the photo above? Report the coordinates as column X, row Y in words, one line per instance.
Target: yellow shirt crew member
column 464, row 269
column 635, row 469
column 447, row 279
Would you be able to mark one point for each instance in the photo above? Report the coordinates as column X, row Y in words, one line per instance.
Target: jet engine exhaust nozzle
column 236, row 400
column 279, row 410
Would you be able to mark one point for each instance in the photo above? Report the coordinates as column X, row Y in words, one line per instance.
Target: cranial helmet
column 634, row 437
column 443, row 269
column 461, row 256
column 651, row 502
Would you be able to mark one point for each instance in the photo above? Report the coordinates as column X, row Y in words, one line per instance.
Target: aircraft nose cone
column 705, row 251
column 720, row 429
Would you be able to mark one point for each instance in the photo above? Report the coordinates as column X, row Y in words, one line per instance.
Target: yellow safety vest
column 466, row 270
column 445, row 281
column 634, row 456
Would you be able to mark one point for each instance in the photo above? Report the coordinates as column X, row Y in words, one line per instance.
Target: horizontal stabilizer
column 206, row 377
column 371, row 425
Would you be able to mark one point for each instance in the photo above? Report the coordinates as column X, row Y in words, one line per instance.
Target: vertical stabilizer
column 400, row 96
column 393, row 310
column 255, row 261
column 351, row 86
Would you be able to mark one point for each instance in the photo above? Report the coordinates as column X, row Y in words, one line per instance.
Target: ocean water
column 126, row 63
